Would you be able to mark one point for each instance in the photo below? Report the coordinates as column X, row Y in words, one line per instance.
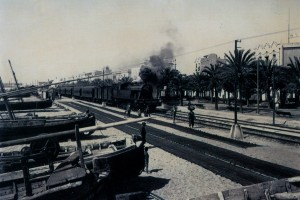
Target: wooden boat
column 27, row 105
column 278, row 189
column 11, row 161
column 122, row 160
column 22, row 128
column 126, row 162
column 68, row 181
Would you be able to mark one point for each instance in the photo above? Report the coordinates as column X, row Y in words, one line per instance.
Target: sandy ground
column 171, row 177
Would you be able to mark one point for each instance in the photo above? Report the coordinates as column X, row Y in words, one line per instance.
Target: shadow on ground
column 146, row 183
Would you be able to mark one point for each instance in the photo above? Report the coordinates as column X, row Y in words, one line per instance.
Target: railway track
column 234, row 166
column 282, row 134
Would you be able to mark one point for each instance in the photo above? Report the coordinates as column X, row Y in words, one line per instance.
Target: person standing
column 146, row 156
column 143, row 133
column 191, row 119
column 147, row 114
column 128, row 110
column 174, row 110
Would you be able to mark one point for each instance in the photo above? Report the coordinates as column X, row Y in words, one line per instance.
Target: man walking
column 146, row 156
column 174, row 110
column 191, row 119
column 143, row 133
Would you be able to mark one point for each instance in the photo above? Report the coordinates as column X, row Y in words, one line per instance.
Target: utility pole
column 235, row 82
column 236, row 130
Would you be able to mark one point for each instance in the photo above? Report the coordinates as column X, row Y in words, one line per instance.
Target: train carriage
column 99, row 94
column 89, row 93
column 77, row 92
column 107, row 94
column 138, row 95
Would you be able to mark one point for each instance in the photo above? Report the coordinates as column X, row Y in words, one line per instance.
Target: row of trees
column 239, row 70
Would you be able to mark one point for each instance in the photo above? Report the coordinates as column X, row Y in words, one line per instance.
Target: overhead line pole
column 236, row 131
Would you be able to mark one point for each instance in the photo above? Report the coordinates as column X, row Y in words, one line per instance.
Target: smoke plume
column 152, row 70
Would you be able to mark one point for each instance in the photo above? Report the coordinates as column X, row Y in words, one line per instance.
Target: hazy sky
column 45, row 39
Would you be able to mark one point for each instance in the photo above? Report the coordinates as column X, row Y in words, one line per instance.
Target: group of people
column 128, row 111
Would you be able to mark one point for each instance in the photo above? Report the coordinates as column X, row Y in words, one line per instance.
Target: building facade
column 207, row 60
column 290, row 51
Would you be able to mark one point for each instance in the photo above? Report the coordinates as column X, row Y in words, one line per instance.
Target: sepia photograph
column 150, row 99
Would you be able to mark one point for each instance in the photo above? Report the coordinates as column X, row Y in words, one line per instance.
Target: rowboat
column 22, row 128
column 73, row 179
column 68, row 181
column 27, row 105
column 282, row 189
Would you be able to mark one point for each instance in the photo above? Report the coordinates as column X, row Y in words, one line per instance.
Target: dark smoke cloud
column 152, row 70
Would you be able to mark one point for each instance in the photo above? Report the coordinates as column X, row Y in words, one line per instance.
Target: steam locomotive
column 139, row 96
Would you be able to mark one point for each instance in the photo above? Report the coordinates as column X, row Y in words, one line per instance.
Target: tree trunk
column 181, row 97
column 228, row 99
column 297, row 93
column 216, row 99
column 211, row 96
column 268, row 95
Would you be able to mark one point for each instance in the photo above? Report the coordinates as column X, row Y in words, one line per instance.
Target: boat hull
column 123, row 163
column 17, row 129
column 70, row 182
column 27, row 105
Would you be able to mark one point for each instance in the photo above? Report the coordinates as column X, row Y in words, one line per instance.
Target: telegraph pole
column 236, row 130
column 235, row 82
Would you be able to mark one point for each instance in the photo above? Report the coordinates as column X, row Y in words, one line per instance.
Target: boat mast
column 289, row 28
column 17, row 84
column 7, row 105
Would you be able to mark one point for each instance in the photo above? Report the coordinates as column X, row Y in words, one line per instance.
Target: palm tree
column 295, row 66
column 201, row 82
column 213, row 72
column 97, row 82
column 181, row 81
column 267, row 73
column 227, row 82
column 126, row 80
column 237, row 66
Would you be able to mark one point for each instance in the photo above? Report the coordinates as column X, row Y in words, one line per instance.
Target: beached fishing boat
column 283, row 189
column 123, row 158
column 22, row 128
column 11, row 160
column 68, row 181
column 126, row 162
column 27, row 105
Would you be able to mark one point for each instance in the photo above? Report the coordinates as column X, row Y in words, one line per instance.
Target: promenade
column 249, row 114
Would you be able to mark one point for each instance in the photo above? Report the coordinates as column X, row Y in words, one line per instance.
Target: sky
column 48, row 39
